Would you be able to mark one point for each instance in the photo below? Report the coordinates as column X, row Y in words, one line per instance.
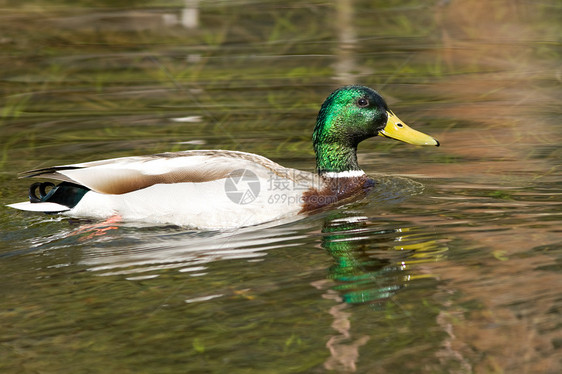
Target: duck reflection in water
column 366, row 270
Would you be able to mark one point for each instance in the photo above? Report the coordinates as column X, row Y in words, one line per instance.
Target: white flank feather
column 199, row 205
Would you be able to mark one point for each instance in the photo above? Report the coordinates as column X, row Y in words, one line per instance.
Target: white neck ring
column 343, row 174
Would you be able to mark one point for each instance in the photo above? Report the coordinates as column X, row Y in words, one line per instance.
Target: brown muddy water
column 452, row 264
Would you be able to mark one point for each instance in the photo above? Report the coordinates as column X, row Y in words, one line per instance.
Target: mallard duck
column 218, row 189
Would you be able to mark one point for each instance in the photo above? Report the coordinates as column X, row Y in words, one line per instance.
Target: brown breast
column 336, row 190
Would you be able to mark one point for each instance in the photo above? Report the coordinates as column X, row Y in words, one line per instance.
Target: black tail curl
column 65, row 193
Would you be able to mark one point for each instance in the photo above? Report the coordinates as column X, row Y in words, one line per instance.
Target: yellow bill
column 396, row 129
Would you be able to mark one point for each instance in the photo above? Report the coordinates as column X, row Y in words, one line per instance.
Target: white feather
column 198, row 205
column 344, row 174
column 39, row 207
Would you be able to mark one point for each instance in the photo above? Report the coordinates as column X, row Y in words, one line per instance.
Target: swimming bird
column 220, row 189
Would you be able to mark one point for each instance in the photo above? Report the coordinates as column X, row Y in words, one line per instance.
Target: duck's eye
column 362, row 102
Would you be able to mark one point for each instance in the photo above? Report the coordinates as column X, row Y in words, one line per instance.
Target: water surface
column 450, row 265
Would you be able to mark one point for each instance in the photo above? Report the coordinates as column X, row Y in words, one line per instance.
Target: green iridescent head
column 350, row 115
